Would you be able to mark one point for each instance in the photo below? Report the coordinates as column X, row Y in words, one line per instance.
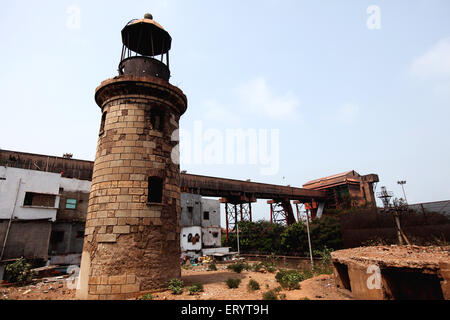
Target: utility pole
column 402, row 183
column 309, row 239
column 237, row 232
column 395, row 209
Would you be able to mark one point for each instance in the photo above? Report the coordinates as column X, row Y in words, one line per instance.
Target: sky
column 323, row 86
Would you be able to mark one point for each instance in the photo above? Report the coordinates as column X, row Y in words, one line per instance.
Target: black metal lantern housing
column 145, row 44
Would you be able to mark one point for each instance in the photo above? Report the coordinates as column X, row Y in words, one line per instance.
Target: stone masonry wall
column 132, row 245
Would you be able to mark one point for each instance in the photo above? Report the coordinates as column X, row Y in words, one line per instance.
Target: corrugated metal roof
column 436, row 206
column 330, row 177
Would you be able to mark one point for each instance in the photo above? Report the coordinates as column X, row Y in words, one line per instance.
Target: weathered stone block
column 103, row 289
column 131, row 278
column 94, row 280
column 121, row 279
column 130, row 288
column 107, row 237
column 121, row 229
column 116, row 289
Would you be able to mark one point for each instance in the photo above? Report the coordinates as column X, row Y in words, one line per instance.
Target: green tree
column 325, row 233
column 261, row 236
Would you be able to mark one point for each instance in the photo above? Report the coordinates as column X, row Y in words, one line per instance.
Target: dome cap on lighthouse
column 146, row 37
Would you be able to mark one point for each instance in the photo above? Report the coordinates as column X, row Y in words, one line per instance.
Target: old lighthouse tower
column 132, row 232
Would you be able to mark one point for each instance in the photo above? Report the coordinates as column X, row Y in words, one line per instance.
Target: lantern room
column 145, row 49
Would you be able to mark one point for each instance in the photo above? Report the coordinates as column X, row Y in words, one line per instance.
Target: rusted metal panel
column 144, row 66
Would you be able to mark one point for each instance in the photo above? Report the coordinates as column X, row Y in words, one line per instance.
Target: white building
column 28, row 194
column 30, row 211
column 200, row 225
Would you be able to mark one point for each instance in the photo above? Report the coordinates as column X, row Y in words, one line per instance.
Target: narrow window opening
column 206, row 215
column 157, row 120
column 155, row 185
column 102, row 124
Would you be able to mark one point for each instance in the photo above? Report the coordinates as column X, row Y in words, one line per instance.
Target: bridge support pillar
column 310, row 208
column 281, row 212
column 236, row 209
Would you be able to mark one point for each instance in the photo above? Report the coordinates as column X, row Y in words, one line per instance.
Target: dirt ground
column 55, row 290
column 318, row 288
column 396, row 256
column 215, row 288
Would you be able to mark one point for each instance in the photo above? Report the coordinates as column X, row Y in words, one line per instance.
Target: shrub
column 307, row 274
column 233, row 283
column 19, row 272
column 325, row 267
column 212, row 267
column 176, row 285
column 187, row 266
column 289, row 279
column 277, row 289
column 253, row 285
column 283, row 296
column 247, row 266
column 259, row 266
column 270, row 295
column 147, row 296
column 270, row 267
column 237, row 267
column 196, row 288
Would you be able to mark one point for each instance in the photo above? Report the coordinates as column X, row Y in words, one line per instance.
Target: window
column 56, row 237
column 215, row 234
column 155, row 185
column 157, row 120
column 206, row 215
column 39, row 200
column 80, row 234
column 193, row 239
column 102, row 124
column 71, row 203
column 190, row 209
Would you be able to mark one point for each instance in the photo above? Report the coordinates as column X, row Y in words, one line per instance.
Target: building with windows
column 44, row 202
column 200, row 224
column 41, row 215
column 348, row 189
